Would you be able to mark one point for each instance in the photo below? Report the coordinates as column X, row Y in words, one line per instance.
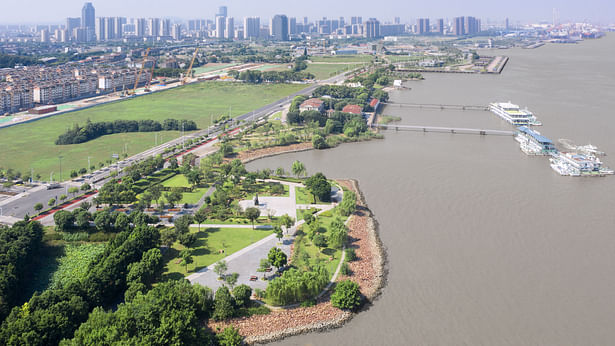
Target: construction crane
column 134, row 89
column 185, row 79
column 151, row 75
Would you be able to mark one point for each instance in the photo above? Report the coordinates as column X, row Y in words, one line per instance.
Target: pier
column 455, row 130
column 439, row 106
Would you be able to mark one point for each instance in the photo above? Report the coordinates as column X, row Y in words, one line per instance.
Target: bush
column 224, row 307
column 346, row 296
column 80, row 236
column 345, row 269
column 350, row 255
column 229, row 337
column 242, row 295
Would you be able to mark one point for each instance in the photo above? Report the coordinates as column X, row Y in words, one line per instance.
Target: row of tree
column 18, row 246
column 81, row 134
column 256, row 77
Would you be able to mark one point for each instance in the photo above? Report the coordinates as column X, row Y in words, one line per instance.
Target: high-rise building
column 71, row 24
column 422, row 26
column 45, row 35
column 153, row 27
column 440, row 26
column 459, row 26
column 140, row 27
column 101, row 29
column 506, row 25
column 279, row 28
column 62, row 36
column 176, row 31
column 88, row 20
column 80, row 34
column 371, row 28
column 251, row 27
column 356, row 20
column 165, row 28
column 118, row 31
column 292, row 26
column 472, row 26
column 220, row 26
column 229, row 31
column 222, row 11
column 305, row 20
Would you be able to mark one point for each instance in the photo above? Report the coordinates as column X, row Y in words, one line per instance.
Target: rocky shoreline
column 368, row 271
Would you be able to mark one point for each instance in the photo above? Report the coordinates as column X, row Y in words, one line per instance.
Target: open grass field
column 211, row 68
column 32, row 145
column 207, row 249
column 180, row 180
column 342, row 58
column 324, row 71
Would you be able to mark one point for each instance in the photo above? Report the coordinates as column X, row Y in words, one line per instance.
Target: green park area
column 212, row 245
column 343, row 58
column 304, row 196
column 31, row 146
column 211, row 68
column 324, row 71
column 180, row 180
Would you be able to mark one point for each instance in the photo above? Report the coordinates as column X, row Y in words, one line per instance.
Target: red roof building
column 312, row 104
column 354, row 109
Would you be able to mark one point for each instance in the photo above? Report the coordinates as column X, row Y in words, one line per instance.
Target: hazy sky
column 54, row 11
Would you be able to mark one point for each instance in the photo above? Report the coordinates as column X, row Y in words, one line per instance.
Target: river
column 487, row 246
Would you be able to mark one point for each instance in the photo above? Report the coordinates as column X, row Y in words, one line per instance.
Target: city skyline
column 36, row 11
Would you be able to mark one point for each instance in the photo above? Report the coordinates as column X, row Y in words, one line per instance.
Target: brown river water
column 487, row 246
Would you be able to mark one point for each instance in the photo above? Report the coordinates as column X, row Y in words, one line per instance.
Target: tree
column 319, row 186
column 64, row 220
column 168, row 237
column 229, row 337
column 318, row 142
column 220, row 268
column 278, row 232
column 63, row 197
column 103, row 220
column 173, row 163
column 231, row 279
column 82, row 218
column 320, row 241
column 298, row 169
column 200, row 216
column 174, row 196
column 85, row 187
column 38, row 207
column 280, row 172
column 182, row 224
column 194, row 177
column 187, row 239
column 73, row 190
column 226, row 149
column 85, row 205
column 349, row 203
column 224, row 307
column 264, row 265
column 253, row 214
column 308, row 218
column 122, row 222
column 277, row 257
column 286, row 221
column 347, row 295
column 242, row 295
column 186, row 256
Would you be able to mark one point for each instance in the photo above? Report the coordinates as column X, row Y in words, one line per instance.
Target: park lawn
column 180, row 180
column 325, row 71
column 342, row 58
column 206, row 250
column 31, row 145
column 304, row 196
column 211, row 67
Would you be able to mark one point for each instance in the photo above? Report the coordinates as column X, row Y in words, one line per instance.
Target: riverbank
column 368, row 271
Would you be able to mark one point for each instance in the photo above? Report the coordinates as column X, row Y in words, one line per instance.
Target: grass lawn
column 306, row 197
column 206, row 250
column 342, row 58
column 180, row 180
column 324, row 71
column 31, row 145
column 210, row 68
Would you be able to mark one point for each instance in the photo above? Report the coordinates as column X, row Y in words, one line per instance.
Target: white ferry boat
column 513, row 114
column 574, row 164
column 533, row 143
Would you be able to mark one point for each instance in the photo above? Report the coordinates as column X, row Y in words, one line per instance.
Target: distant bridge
column 438, row 106
column 456, row 130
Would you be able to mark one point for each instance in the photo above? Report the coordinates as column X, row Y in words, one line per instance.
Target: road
column 19, row 206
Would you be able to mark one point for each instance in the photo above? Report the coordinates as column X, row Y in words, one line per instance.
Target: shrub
column 224, row 306
column 229, row 337
column 351, row 255
column 345, row 269
column 80, row 236
column 242, row 295
column 346, row 296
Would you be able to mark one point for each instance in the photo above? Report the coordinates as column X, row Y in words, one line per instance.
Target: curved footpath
column 368, row 271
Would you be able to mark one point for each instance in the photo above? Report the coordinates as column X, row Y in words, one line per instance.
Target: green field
column 324, row 71
column 342, row 58
column 207, row 68
column 32, row 145
column 74, row 264
column 187, row 197
column 207, row 249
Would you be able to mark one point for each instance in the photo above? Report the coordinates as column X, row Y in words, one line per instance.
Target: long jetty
column 455, row 130
column 438, row 106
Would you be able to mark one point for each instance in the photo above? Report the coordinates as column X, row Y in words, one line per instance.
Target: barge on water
column 533, row 143
column 576, row 165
